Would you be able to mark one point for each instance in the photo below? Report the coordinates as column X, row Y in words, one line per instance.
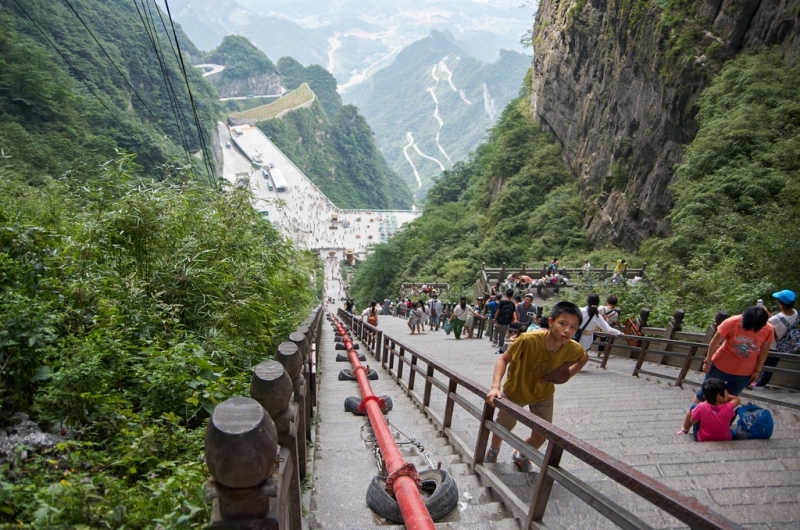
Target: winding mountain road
column 215, row 68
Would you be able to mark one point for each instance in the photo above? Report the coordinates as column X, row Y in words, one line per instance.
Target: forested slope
column 334, row 146
column 132, row 298
column 414, row 95
column 734, row 224
column 63, row 99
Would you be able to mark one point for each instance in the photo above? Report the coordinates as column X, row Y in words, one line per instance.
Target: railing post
column 378, row 345
column 447, row 419
column 289, row 356
column 302, row 339
column 241, row 445
column 271, row 386
column 483, row 431
column 644, row 316
column 412, row 374
column 426, row 393
column 400, row 358
column 609, row 345
column 544, row 483
column 645, row 344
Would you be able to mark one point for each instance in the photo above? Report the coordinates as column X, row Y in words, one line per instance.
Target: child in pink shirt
column 712, row 418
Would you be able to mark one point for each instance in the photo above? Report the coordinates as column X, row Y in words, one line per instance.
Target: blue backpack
column 755, row 423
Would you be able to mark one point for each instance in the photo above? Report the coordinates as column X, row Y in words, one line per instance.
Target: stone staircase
column 344, row 463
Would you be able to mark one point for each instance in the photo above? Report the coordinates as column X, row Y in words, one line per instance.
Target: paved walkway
column 755, row 483
column 344, row 464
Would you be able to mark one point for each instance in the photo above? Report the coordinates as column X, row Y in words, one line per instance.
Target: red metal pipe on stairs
column 403, row 478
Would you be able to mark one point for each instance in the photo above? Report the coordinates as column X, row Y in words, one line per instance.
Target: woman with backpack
column 371, row 314
column 592, row 320
column 787, row 332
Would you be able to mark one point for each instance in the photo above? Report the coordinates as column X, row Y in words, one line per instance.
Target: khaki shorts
column 542, row 409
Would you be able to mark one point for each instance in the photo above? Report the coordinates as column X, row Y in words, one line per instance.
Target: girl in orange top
column 739, row 359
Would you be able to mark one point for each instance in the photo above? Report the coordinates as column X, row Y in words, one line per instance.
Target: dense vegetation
column 129, row 310
column 512, row 202
column 241, row 58
column 132, row 298
column 339, row 156
column 322, row 83
column 52, row 117
column 396, row 100
column 737, row 202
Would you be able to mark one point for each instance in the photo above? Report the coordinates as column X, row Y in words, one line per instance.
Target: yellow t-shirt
column 530, row 360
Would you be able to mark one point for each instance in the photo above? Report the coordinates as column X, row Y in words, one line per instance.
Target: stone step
column 345, row 464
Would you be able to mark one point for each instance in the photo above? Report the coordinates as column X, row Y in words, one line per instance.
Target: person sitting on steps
column 712, row 418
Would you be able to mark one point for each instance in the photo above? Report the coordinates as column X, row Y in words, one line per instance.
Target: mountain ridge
column 433, row 104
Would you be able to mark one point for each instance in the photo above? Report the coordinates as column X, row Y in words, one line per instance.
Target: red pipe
column 415, row 514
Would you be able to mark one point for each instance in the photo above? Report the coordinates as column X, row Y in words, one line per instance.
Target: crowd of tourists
column 537, row 352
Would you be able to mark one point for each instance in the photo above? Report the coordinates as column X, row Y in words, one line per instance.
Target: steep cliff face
column 616, row 82
column 260, row 84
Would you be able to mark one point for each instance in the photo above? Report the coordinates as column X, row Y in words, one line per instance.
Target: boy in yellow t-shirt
column 536, row 362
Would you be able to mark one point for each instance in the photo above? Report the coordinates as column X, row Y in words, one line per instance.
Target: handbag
column 447, row 327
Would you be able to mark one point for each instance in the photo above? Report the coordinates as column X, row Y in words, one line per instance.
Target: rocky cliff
column 261, row 84
column 616, row 82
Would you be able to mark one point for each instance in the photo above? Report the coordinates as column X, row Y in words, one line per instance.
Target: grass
column 292, row 100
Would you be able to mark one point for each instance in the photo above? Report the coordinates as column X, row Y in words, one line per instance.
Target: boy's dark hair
column 612, row 299
column 509, row 292
column 498, row 296
column 568, row 308
column 517, row 298
column 754, row 318
column 713, row 388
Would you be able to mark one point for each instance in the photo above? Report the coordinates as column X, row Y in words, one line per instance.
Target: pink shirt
column 715, row 421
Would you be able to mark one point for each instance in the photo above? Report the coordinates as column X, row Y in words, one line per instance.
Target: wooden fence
column 413, row 370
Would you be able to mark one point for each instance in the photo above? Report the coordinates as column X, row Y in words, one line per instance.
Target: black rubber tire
column 344, row 358
column 351, row 405
column 443, row 496
column 340, row 346
column 337, row 339
column 347, row 375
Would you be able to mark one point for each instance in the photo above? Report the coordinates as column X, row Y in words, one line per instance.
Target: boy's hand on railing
column 493, row 394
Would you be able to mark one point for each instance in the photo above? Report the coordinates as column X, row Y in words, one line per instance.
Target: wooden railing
column 412, row 369
column 672, row 347
column 255, row 446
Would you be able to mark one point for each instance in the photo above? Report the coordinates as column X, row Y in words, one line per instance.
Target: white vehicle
column 279, row 180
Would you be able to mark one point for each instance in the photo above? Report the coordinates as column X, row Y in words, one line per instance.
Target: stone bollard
column 241, row 446
column 304, row 342
column 290, row 356
column 271, row 387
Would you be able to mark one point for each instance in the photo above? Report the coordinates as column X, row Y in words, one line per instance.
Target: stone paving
column 755, row 483
column 344, row 464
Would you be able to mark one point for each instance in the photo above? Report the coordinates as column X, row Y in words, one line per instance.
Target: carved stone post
column 241, row 446
column 290, row 356
column 271, row 387
column 301, row 391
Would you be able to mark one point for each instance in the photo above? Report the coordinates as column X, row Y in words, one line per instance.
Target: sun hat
column 786, row 296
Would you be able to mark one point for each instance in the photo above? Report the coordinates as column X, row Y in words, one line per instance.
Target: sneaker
column 522, row 461
column 491, row 456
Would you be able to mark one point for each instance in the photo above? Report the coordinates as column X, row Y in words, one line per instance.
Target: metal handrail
column 676, row 504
